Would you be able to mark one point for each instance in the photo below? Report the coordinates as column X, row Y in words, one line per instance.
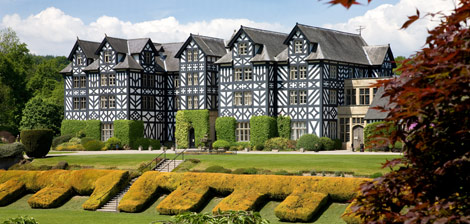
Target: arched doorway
column 358, row 137
column 191, row 138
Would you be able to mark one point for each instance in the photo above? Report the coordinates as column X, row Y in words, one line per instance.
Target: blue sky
column 50, row 27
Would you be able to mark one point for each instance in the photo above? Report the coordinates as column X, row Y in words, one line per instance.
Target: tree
column 39, row 114
column 432, row 97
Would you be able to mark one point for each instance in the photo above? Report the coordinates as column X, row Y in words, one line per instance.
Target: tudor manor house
column 318, row 77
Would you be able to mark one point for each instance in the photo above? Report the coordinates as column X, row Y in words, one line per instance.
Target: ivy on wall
column 186, row 119
column 283, row 126
column 225, row 128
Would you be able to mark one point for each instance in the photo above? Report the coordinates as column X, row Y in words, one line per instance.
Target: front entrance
column 358, row 137
column 191, row 138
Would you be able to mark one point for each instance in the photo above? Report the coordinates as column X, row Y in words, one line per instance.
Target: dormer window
column 189, row 55
column 242, row 49
column 195, row 55
column 79, row 60
column 148, row 58
column 298, row 46
column 107, row 57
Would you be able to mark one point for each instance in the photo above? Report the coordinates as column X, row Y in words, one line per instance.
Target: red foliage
column 432, row 182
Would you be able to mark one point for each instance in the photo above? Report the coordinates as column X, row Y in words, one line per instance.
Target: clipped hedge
column 37, row 142
column 246, row 192
column 93, row 129
column 10, row 191
column 309, row 142
column 221, row 144
column 276, row 143
column 225, row 128
column 12, row 150
column 128, row 131
column 283, row 126
column 51, row 197
column 262, row 128
column 105, row 188
column 72, row 127
column 186, row 119
column 312, row 203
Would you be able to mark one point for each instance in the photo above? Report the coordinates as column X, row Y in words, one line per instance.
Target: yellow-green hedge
column 10, row 191
column 349, row 217
column 54, row 187
column 301, row 206
column 190, row 190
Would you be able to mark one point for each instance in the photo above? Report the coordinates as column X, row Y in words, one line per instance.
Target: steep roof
column 168, row 60
column 333, row 44
column 376, row 54
column 137, row 45
column 227, row 58
column 88, row 47
column 67, row 69
column 209, row 45
column 379, row 101
column 128, row 63
column 93, row 66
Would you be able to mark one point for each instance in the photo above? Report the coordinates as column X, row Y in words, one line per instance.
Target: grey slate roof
column 67, row 69
column 128, row 63
column 170, row 63
column 379, row 101
column 376, row 54
column 93, row 66
column 137, row 45
column 227, row 58
column 210, row 45
column 88, row 47
column 118, row 44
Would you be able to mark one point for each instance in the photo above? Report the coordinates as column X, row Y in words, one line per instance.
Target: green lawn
column 72, row 212
column 359, row 164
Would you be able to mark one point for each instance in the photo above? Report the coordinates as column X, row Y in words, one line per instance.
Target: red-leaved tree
column 431, row 183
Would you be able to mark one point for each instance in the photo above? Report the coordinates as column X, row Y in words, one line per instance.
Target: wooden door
column 358, row 137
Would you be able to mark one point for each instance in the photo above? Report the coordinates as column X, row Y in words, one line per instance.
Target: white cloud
column 53, row 32
column 382, row 24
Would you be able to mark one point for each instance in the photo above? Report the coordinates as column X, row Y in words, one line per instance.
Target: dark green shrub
column 93, row 129
column 93, row 145
column 281, row 172
column 276, row 143
column 113, row 143
column 309, row 142
column 245, row 171
column 61, row 139
column 313, row 173
column 225, row 128
column 72, row 127
column 375, row 175
column 221, row 144
column 146, row 142
column 283, row 126
column 217, row 169
column 84, row 140
column 338, row 144
column 128, row 131
column 327, row 143
column 262, row 128
column 186, row 119
column 259, row 147
column 12, row 150
column 37, row 142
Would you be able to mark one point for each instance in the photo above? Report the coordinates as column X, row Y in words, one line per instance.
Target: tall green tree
column 41, row 114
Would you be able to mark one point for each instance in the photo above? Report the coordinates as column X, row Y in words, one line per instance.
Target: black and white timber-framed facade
column 318, row 77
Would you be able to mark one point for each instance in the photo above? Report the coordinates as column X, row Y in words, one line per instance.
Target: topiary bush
column 262, row 128
column 309, row 142
column 221, row 144
column 113, row 143
column 93, row 129
column 72, row 127
column 60, row 139
column 128, row 131
column 327, row 144
column 217, row 169
column 283, row 126
column 93, row 145
column 185, row 119
column 37, row 142
column 225, row 128
column 276, row 143
column 12, row 150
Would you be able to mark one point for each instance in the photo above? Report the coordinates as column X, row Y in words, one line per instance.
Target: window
column 293, row 73
column 332, row 129
column 79, row 60
column 177, row 103
column 189, row 55
column 106, row 131
column 190, row 79
column 364, row 96
column 148, row 102
column 151, row 81
column 76, row 82
column 195, row 102
column 238, row 99
column 293, row 98
column 333, row 71
column 238, row 74
column 195, row 55
column 248, row 75
column 298, row 46
column 103, row 102
column 302, row 97
column 104, row 80
column 189, row 100
column 344, row 129
column 348, row 97
column 112, row 79
column 148, row 57
column 82, row 103
column 195, row 79
column 243, row 132
column 107, row 102
column 177, row 81
column 112, row 102
column 303, row 72
column 107, row 57
column 247, row 101
column 333, row 96
column 76, row 103
column 242, row 49
column 298, row 129
column 83, row 81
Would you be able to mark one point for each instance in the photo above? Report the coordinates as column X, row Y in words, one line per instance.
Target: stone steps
column 168, row 165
